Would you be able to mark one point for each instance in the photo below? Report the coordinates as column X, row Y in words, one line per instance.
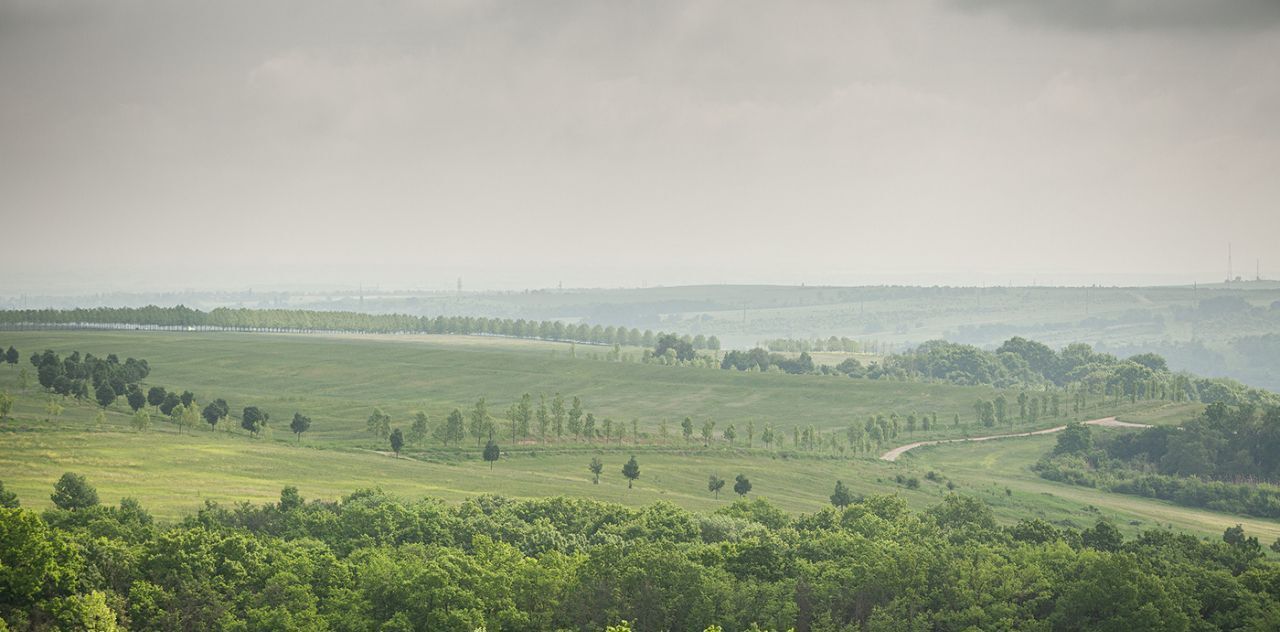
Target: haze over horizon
column 153, row 146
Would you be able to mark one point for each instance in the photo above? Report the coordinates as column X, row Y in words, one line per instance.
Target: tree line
column 289, row 320
column 371, row 561
column 1227, row 458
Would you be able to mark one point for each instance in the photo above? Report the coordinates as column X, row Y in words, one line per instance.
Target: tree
column 379, row 423
column 708, row 427
column 156, row 395
column 1002, row 409
column 420, row 430
column 397, row 441
column 715, row 484
column 185, row 417
column 841, row 497
column 216, row 411
column 491, row 453
column 24, row 380
column 187, row 398
column 544, row 418
column 730, row 434
column 631, row 470
column 72, row 492
column 1022, row 406
column 481, row 424
column 589, row 427
column 171, row 401
column 141, row 420
column 8, row 499
column 300, row 424
column 751, row 433
column 557, row 415
column 11, row 356
column 596, row 467
column 741, row 485
column 452, row 429
column 135, row 397
column 254, row 419
column 105, row 395
column 6, row 405
column 575, row 417
column 1075, row 438
column 686, row 429
column 524, row 414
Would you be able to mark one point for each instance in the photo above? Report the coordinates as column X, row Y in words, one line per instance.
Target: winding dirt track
column 1109, row 422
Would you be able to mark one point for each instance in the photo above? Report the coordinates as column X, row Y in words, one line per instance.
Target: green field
column 337, row 380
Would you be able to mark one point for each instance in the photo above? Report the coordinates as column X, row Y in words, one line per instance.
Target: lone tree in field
column 397, row 442
column 708, row 427
column 715, row 484
column 596, row 467
column 105, row 395
column 631, row 470
column 491, row 453
column 741, row 485
column 73, row 492
column 686, row 429
column 841, row 498
column 253, row 419
column 300, row 424
column 11, row 356
column 379, row 423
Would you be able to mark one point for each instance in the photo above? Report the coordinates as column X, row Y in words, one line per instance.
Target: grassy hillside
column 338, row 380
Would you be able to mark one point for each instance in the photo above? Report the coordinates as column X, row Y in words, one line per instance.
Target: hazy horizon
column 164, row 146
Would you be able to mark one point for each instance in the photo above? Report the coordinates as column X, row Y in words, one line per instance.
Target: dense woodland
column 1226, row 459
column 374, row 562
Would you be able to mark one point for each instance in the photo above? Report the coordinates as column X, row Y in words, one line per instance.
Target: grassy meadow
column 337, row 381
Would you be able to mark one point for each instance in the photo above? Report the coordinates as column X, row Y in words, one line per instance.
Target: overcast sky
column 162, row 144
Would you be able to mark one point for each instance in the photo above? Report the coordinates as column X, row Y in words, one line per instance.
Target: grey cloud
column 1135, row 14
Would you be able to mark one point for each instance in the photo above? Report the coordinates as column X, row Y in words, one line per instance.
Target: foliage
column 371, row 561
column 73, row 492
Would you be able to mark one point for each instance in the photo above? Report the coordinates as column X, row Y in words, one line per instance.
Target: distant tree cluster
column 833, row 344
column 88, row 376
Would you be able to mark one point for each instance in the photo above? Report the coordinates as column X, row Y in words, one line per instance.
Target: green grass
column 337, row 380
column 991, row 467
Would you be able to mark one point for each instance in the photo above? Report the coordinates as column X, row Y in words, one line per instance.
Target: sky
column 153, row 145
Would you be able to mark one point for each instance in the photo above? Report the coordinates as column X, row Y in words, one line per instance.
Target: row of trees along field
column 1227, row 459
column 559, row 419
column 371, row 561
column 107, row 381
column 282, row 320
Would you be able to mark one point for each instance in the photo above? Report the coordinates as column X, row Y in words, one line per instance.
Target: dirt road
column 1108, row 422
